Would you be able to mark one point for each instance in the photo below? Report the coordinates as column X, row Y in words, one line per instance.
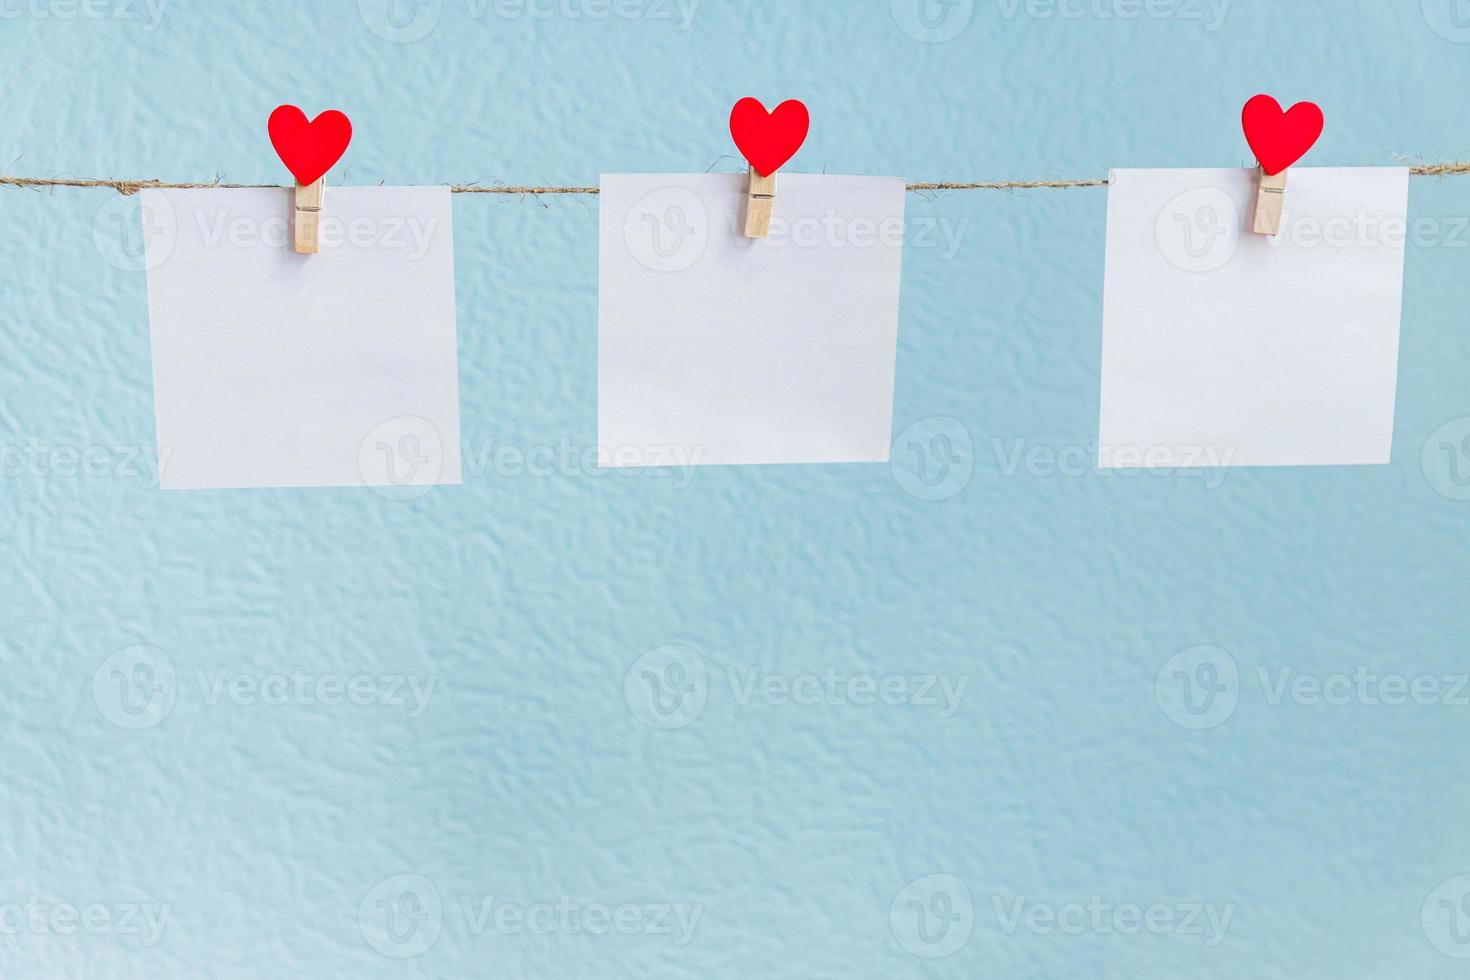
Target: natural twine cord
column 129, row 187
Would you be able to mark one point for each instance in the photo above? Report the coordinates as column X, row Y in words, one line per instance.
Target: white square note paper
column 718, row 349
column 1222, row 347
column 272, row 369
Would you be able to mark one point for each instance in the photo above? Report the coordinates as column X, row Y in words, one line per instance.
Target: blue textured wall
column 269, row 826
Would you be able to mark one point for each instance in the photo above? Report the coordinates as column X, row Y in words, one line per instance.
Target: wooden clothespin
column 1270, row 202
column 309, row 150
column 760, row 205
column 1278, row 139
column 768, row 140
column 308, row 216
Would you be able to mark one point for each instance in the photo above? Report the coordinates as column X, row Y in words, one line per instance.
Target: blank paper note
column 718, row 349
column 1223, row 347
column 272, row 369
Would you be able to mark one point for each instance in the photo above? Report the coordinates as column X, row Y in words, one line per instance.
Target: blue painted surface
column 540, row 772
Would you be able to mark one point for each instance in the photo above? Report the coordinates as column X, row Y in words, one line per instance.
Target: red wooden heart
column 769, row 139
column 1279, row 139
column 309, row 149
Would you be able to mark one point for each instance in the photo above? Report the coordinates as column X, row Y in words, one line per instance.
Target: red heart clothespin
column 768, row 140
column 1278, row 139
column 309, row 150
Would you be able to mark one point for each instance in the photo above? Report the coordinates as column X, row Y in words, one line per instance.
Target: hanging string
column 129, row 187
